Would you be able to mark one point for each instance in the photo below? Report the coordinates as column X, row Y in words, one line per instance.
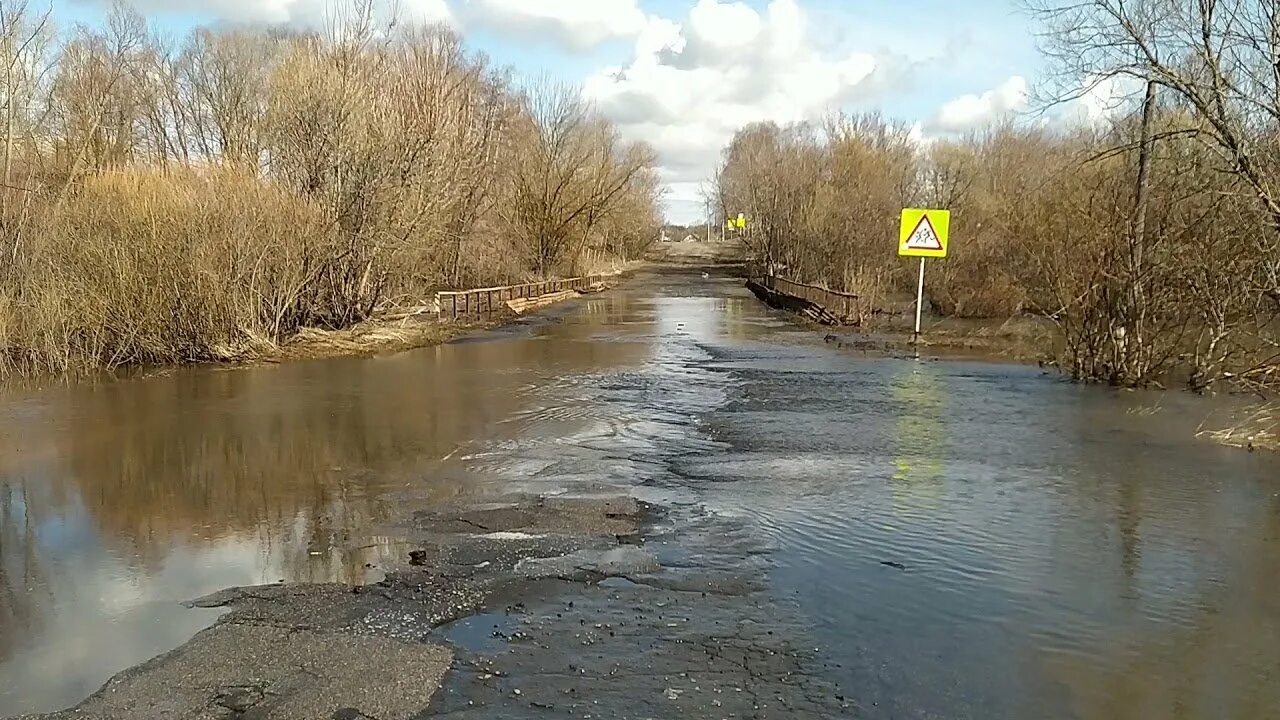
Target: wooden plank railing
column 844, row 306
column 484, row 302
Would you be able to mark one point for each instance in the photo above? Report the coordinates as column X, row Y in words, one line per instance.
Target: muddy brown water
column 963, row 539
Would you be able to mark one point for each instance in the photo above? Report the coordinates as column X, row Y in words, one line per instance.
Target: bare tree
column 1220, row 58
column 201, row 199
column 570, row 172
column 1214, row 66
column 225, row 78
column 25, row 40
column 94, row 104
column 24, row 45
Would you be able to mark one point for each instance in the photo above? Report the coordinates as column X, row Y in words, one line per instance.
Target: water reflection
column 1183, row 568
column 1051, row 555
column 921, row 436
column 23, row 582
column 120, row 500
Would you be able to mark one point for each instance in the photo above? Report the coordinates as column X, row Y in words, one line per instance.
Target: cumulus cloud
column 1103, row 100
column 691, row 86
column 577, row 24
column 969, row 112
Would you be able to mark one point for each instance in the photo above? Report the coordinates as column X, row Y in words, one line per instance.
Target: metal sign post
column 919, row 303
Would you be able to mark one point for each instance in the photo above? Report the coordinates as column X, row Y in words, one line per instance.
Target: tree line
column 1152, row 242
column 186, row 200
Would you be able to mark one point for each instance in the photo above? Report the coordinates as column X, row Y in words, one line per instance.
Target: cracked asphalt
column 614, row 608
column 700, row 638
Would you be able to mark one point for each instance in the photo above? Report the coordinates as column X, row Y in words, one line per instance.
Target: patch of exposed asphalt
column 690, row 633
column 608, row 607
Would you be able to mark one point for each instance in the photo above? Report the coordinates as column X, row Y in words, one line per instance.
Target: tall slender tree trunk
column 7, row 191
column 1136, row 354
column 8, row 130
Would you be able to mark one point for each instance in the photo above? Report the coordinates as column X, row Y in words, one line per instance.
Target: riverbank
column 398, row 331
column 387, row 332
column 393, row 330
column 892, row 331
column 1025, row 339
column 1021, row 339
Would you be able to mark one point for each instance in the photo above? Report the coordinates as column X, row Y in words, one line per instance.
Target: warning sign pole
column 919, row 302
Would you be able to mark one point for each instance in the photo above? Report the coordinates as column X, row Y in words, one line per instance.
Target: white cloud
column 969, row 112
column 691, row 86
column 578, row 24
column 1103, row 100
column 427, row 11
column 686, row 202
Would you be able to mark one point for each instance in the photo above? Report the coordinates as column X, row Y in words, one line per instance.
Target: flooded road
column 958, row 539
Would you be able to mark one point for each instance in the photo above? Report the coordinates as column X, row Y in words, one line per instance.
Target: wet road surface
column 894, row 538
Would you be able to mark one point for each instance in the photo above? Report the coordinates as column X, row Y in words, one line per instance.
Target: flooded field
column 955, row 539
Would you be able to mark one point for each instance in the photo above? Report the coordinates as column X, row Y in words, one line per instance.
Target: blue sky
column 684, row 74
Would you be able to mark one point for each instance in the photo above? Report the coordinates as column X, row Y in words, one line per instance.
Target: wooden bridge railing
column 483, row 302
column 844, row 306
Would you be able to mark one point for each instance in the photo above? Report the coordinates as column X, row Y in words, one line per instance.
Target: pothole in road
column 485, row 634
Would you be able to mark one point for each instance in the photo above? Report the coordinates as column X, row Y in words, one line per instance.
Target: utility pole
column 707, row 207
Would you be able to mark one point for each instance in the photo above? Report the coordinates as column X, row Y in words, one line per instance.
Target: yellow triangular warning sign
column 924, row 233
column 924, row 237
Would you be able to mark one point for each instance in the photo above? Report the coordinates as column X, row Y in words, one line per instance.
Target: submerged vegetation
column 1258, row 429
column 194, row 200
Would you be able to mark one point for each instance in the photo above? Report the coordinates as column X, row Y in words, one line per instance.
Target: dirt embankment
column 1019, row 339
column 891, row 329
column 398, row 331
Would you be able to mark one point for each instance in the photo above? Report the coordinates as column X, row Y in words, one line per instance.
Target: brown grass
column 369, row 338
column 144, row 267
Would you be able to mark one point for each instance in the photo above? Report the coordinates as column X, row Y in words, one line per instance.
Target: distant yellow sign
column 924, row 233
column 741, row 222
